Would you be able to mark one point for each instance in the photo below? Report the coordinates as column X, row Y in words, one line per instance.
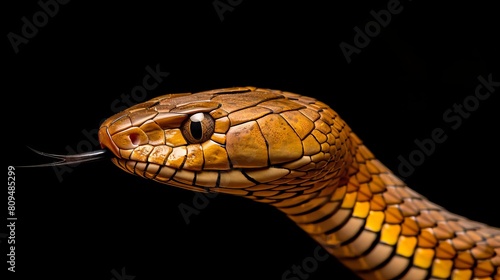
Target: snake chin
column 239, row 181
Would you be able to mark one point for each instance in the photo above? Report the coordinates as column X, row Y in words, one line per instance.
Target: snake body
column 296, row 154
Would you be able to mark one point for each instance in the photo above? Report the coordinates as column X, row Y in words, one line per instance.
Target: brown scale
column 297, row 154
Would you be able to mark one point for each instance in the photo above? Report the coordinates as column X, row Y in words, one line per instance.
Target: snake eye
column 198, row 128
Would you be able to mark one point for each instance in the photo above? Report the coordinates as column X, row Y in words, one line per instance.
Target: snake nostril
column 134, row 138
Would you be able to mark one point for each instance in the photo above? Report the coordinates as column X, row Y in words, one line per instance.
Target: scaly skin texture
column 297, row 154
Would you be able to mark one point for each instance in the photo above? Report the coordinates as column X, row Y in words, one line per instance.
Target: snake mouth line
column 71, row 159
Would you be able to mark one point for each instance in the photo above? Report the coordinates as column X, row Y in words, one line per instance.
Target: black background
column 99, row 219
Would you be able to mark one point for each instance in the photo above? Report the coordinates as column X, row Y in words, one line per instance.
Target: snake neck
column 381, row 229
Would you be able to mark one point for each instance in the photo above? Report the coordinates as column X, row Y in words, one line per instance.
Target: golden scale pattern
column 297, row 154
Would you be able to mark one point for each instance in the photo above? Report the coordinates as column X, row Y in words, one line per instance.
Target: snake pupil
column 196, row 130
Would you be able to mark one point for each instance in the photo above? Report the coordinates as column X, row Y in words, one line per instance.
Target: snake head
column 237, row 140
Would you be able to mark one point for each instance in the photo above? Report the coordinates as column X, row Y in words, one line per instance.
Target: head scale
column 242, row 141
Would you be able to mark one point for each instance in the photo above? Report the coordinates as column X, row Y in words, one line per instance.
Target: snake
column 297, row 154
